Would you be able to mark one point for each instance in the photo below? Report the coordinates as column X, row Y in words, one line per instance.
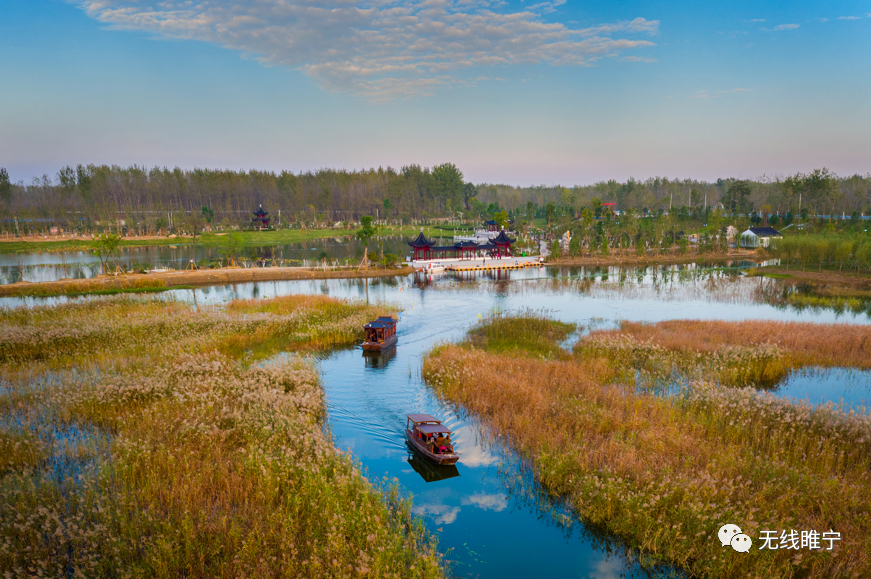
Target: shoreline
column 659, row 260
column 214, row 238
column 184, row 278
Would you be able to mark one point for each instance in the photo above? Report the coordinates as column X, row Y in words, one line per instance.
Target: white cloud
column 849, row 17
column 782, row 27
column 757, row 20
column 637, row 59
column 488, row 502
column 379, row 49
column 548, row 7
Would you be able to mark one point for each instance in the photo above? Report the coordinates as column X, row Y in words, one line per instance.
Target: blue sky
column 512, row 92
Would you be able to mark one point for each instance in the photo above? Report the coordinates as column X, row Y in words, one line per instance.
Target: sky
column 515, row 92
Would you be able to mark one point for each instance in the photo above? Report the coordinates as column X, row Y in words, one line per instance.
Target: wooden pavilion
column 260, row 219
column 424, row 249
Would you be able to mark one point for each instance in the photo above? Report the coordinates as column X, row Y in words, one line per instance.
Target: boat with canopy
column 380, row 334
column 431, row 438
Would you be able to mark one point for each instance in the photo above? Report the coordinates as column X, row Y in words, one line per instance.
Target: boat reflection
column 429, row 471
column 379, row 359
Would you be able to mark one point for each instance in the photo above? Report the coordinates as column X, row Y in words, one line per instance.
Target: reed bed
column 664, row 473
column 751, row 352
column 529, row 334
column 143, row 445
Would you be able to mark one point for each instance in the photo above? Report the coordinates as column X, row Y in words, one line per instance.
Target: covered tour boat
column 380, row 334
column 422, row 430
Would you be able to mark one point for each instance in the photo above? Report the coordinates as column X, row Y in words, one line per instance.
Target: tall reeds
column 665, row 472
column 144, row 445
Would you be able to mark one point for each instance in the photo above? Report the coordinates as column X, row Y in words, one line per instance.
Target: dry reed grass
column 155, row 455
column 666, row 472
column 747, row 352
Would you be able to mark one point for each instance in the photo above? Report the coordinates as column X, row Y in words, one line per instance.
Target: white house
column 758, row 237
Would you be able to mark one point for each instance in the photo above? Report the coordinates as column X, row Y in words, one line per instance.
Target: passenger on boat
column 441, row 444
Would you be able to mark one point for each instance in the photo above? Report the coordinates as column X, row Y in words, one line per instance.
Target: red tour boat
column 380, row 334
column 421, row 430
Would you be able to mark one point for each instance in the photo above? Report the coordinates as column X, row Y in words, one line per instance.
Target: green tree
column 738, row 197
column 364, row 234
column 231, row 249
column 469, row 193
column 5, row 187
column 550, row 210
column 104, row 247
column 449, row 185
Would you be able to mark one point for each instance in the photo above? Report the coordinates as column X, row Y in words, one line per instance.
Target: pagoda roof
column 502, row 239
column 490, row 222
column 260, row 212
column 466, row 245
column 421, row 241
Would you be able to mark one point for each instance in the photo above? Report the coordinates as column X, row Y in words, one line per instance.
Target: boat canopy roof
column 423, row 418
column 376, row 324
column 433, row 428
column 386, row 320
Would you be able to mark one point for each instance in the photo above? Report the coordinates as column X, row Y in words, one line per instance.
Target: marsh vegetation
column 665, row 472
column 148, row 438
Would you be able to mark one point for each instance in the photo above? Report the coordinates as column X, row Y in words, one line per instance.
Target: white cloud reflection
column 378, row 49
column 443, row 514
column 489, row 502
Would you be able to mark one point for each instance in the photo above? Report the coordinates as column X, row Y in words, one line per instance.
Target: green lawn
column 280, row 237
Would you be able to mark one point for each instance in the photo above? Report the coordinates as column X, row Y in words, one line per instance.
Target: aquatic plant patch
column 751, row 352
column 159, row 451
column 665, row 473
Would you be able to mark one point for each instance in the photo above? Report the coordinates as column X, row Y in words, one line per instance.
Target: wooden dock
column 494, row 267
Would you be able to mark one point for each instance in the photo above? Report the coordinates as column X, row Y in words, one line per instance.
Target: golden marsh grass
column 145, row 443
column 665, row 473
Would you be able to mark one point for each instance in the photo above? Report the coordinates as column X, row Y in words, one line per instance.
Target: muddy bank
column 168, row 280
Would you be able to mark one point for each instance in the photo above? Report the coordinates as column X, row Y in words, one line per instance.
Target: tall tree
column 449, row 185
column 364, row 234
column 5, row 187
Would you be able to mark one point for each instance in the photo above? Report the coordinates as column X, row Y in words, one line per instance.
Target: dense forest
column 151, row 199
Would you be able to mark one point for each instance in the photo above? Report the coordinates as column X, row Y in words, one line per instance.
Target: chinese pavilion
column 425, row 249
column 260, row 218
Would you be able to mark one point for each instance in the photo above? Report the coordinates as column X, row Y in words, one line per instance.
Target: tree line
column 154, row 198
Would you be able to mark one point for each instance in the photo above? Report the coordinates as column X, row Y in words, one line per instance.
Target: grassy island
column 664, row 471
column 142, row 438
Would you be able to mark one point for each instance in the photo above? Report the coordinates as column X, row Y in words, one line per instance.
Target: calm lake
column 52, row 266
column 490, row 517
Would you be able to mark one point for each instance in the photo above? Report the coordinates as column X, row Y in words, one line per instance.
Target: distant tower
column 260, row 218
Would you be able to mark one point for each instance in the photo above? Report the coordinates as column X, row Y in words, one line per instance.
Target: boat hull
column 388, row 343
column 448, row 458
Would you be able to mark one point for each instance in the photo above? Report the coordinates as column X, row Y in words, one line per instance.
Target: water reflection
column 429, row 471
column 379, row 360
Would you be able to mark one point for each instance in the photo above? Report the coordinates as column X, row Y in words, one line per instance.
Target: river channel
column 489, row 516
